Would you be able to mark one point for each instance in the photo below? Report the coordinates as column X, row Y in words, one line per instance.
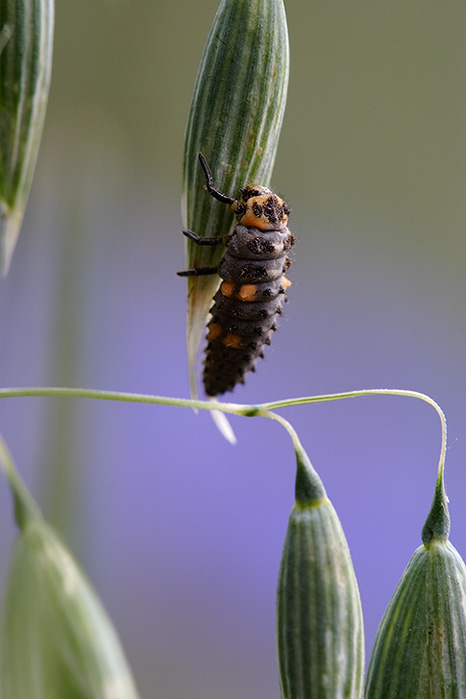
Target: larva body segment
column 252, row 293
column 246, row 305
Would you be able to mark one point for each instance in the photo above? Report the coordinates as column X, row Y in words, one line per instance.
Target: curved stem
column 309, row 487
column 287, row 425
column 371, row 392
column 233, row 408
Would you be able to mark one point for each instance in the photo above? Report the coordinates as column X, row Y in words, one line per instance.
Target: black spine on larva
column 247, row 304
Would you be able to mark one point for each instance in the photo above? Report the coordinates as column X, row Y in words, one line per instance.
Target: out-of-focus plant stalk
column 234, row 119
column 26, row 38
column 56, row 639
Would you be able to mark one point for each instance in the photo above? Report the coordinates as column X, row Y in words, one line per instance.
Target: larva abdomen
column 240, row 325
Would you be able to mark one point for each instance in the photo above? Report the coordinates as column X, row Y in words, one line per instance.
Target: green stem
column 64, row 392
column 287, row 425
column 372, row 392
column 234, row 408
column 309, row 487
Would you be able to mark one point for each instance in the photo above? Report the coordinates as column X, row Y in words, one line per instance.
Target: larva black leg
column 199, row 240
column 210, row 187
column 198, row 272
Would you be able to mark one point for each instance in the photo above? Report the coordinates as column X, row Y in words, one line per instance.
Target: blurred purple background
column 180, row 532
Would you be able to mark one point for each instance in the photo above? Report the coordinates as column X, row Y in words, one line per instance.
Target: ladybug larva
column 252, row 291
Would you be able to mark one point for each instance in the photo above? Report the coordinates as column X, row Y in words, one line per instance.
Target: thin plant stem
column 372, row 392
column 123, row 397
column 287, row 425
column 263, row 410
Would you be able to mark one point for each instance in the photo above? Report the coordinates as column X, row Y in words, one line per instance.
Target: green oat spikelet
column 234, row 119
column 320, row 636
column 56, row 640
column 26, row 38
column 420, row 647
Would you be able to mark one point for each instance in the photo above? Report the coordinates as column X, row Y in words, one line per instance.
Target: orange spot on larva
column 227, row 288
column 231, row 340
column 214, row 331
column 285, row 282
column 247, row 292
column 251, row 219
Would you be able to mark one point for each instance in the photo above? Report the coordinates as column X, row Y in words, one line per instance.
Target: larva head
column 261, row 208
